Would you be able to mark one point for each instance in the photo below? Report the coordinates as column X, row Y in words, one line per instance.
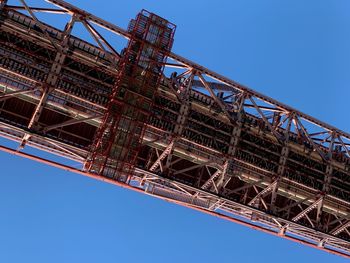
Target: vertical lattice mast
column 119, row 137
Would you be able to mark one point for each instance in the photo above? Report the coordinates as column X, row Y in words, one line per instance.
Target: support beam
column 164, row 154
column 185, row 104
column 341, row 228
column 8, row 95
column 40, row 25
column 319, row 214
column 232, row 216
column 191, row 168
column 263, row 193
column 38, row 9
column 310, row 140
column 69, row 122
column 268, row 124
column 327, row 178
column 285, row 208
column 183, row 115
column 211, row 181
column 227, row 169
column 99, row 40
column 281, row 164
column 307, row 210
column 297, row 188
column 224, row 178
column 257, row 201
column 52, row 77
column 215, row 98
column 307, row 217
column 242, row 188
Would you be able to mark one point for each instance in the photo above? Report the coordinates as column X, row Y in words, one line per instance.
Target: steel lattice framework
column 204, row 141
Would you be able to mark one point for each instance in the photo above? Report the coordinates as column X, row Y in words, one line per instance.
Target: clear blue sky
column 296, row 51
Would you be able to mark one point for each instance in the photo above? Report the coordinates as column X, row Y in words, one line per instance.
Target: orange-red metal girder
column 139, row 190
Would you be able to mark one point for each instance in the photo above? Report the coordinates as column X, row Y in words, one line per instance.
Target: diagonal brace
column 308, row 209
column 164, row 154
column 264, row 192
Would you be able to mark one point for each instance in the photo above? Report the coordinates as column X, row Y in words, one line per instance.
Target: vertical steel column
column 326, row 182
column 51, row 80
column 235, row 137
column 119, row 137
column 182, row 117
column 281, row 164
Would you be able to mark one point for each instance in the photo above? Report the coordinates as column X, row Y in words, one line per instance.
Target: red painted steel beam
column 126, row 186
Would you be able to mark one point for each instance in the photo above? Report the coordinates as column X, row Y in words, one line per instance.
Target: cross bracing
column 210, row 143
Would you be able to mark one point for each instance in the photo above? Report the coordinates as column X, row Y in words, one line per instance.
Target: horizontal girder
column 210, row 143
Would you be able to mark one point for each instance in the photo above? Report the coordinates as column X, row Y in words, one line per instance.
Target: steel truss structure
column 205, row 141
